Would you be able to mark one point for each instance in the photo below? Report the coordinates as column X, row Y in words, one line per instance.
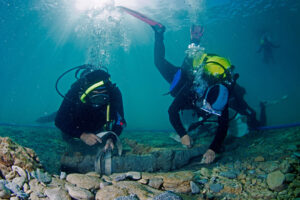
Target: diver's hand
column 109, row 144
column 186, row 140
column 90, row 138
column 208, row 157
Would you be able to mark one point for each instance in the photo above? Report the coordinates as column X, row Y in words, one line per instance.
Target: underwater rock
column 57, row 194
column 13, row 154
column 36, row 187
column 178, row 182
column 259, row 193
column 20, row 181
column 120, row 177
column 134, row 175
column 20, row 171
column 229, row 174
column 79, row 193
column 143, row 181
column 11, row 175
column 4, row 191
column 14, row 188
column 41, row 176
column 124, row 188
column 259, row 159
column 205, row 172
column 130, row 197
column 268, row 166
column 216, row 187
column 155, row 182
column 104, row 184
column 94, row 174
column 167, row 196
column 275, row 180
column 84, row 181
column 63, row 175
column 285, row 167
column 202, row 181
column 194, row 187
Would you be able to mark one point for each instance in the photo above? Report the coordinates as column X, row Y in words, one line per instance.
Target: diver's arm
column 221, row 131
column 174, row 116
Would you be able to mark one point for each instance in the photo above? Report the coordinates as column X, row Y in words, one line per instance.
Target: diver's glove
column 208, row 157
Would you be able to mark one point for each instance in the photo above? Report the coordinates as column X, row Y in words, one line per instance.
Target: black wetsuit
column 185, row 97
column 238, row 103
column 74, row 117
column 267, row 49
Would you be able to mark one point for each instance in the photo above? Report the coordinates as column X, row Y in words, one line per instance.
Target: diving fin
column 152, row 23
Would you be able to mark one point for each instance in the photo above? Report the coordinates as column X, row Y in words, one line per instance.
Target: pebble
column 216, row 187
column 144, row 181
column 259, row 159
column 120, row 177
column 134, row 175
column 4, row 192
column 41, row 176
column 262, row 176
column 131, row 197
column 194, row 187
column 63, row 175
column 229, row 174
column 155, row 182
column 167, row 196
column 202, row 181
column 104, row 184
column 205, row 172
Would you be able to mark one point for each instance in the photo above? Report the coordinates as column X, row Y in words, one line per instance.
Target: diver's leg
column 166, row 69
column 263, row 116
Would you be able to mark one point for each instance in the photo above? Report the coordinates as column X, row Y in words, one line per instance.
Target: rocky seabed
column 256, row 178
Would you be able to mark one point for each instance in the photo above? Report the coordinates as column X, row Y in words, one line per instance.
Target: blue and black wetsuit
column 184, row 99
column 74, row 117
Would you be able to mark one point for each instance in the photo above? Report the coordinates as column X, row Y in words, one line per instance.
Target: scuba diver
column 202, row 83
column 266, row 47
column 93, row 104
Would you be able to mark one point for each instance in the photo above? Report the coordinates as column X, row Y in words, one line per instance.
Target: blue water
column 40, row 39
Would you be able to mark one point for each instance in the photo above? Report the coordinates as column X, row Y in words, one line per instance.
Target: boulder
column 275, row 180
column 84, row 181
column 125, row 188
column 79, row 193
column 57, row 194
